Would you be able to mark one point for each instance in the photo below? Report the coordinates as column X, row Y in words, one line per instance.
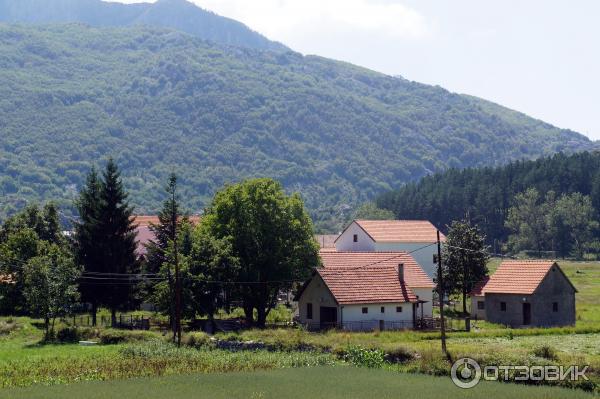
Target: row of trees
column 253, row 242
column 566, row 225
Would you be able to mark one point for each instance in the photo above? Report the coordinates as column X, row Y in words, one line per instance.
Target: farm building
column 525, row 293
column 415, row 236
column 144, row 233
column 366, row 291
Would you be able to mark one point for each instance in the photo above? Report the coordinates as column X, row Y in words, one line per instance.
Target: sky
column 540, row 57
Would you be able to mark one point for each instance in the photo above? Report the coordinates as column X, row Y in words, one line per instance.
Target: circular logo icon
column 465, row 373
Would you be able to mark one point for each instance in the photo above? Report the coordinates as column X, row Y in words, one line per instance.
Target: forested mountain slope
column 484, row 195
column 160, row 101
column 176, row 14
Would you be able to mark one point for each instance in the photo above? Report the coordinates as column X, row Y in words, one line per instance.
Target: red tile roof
column 406, row 231
column 414, row 275
column 517, row 277
column 145, row 235
column 375, row 284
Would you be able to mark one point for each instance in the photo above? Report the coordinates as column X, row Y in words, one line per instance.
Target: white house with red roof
column 366, row 291
column 524, row 293
column 419, row 237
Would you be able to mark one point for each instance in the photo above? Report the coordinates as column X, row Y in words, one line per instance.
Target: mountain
column 175, row 14
column 486, row 194
column 159, row 100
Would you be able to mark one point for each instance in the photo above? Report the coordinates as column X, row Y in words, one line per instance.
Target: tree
column 51, row 285
column 574, row 220
column 88, row 236
column 165, row 233
column 272, row 237
column 465, row 258
column 527, row 219
column 370, row 211
column 116, row 240
column 210, row 262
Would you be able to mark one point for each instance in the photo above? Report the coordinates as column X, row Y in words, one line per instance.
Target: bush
column 399, row 355
column 110, row 336
column 196, row 339
column 546, row 352
column 7, row 326
column 362, row 357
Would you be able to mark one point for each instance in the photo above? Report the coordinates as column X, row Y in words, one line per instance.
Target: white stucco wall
column 423, row 256
column 345, row 241
column 425, row 294
column 319, row 295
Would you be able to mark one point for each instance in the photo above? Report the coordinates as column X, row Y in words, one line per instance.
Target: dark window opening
column 555, row 306
column 399, row 309
column 503, row 306
column 383, row 309
column 365, row 310
column 480, row 305
column 309, row 311
column 355, row 237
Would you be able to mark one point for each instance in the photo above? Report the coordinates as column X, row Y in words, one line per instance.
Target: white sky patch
column 287, row 19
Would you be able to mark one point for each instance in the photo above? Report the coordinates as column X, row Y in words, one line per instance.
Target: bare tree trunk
column 113, row 318
column 249, row 313
column 94, row 311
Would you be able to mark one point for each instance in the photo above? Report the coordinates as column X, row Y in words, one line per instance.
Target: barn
column 525, row 293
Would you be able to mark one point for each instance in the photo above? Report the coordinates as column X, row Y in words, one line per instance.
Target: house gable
column 354, row 238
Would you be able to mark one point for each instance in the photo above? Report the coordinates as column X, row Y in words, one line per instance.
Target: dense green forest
column 180, row 15
column 160, row 101
column 485, row 195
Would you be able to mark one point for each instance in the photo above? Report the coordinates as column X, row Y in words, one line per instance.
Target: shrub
column 399, row 355
column 196, row 339
column 110, row 336
column 546, row 352
column 362, row 357
column 7, row 326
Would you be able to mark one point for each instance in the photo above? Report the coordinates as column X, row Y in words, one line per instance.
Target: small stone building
column 525, row 293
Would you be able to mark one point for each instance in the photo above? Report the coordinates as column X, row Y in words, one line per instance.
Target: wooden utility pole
column 441, row 294
column 177, row 332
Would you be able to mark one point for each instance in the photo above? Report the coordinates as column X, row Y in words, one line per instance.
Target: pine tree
column 87, row 239
column 158, row 259
column 117, row 239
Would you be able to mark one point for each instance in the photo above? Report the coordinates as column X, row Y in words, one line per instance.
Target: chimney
column 401, row 271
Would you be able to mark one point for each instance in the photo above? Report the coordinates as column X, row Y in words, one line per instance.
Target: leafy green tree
column 574, row 223
column 51, row 285
column 272, row 237
column 116, row 240
column 527, row 219
column 370, row 211
column 88, row 235
column 465, row 256
column 210, row 262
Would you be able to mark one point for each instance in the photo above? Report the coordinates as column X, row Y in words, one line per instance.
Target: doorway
column 328, row 317
column 526, row 314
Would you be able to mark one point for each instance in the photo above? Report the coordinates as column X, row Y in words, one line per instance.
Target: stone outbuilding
column 525, row 293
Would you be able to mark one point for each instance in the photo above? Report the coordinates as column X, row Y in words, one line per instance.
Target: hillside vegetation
column 180, row 15
column 484, row 195
column 160, row 101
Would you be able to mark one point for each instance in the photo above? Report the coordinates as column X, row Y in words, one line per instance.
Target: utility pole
column 441, row 294
column 177, row 331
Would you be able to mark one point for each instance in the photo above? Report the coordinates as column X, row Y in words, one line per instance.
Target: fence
column 427, row 324
column 126, row 322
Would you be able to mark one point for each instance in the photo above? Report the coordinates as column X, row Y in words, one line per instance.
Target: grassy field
column 24, row 361
column 321, row 382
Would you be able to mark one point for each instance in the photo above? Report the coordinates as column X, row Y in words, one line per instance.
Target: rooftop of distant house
column 405, row 231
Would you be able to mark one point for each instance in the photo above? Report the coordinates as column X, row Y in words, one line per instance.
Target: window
column 555, row 306
column 503, row 306
column 365, row 310
column 383, row 309
column 398, row 309
column 355, row 237
column 480, row 305
column 309, row 310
